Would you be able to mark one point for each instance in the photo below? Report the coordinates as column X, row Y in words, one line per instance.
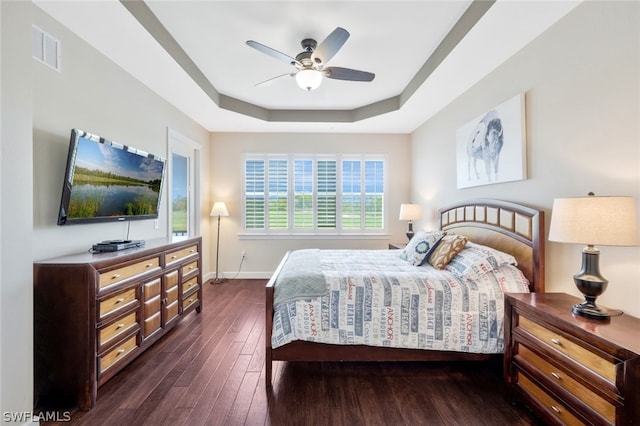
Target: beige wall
column 39, row 108
column 96, row 95
column 582, row 84
column 263, row 255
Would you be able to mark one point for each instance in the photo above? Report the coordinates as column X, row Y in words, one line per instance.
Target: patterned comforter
column 372, row 297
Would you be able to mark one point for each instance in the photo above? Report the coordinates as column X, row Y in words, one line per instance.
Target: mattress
column 375, row 298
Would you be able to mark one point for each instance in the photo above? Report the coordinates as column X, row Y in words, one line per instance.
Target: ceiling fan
column 310, row 63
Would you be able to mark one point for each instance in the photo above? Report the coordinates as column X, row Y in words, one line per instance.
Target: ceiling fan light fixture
column 309, row 79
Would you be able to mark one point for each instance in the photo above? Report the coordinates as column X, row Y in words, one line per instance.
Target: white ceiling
column 210, row 73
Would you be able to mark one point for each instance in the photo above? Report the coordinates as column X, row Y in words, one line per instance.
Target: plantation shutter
column 351, row 194
column 303, row 194
column 278, row 192
column 254, row 184
column 374, row 194
column 326, row 194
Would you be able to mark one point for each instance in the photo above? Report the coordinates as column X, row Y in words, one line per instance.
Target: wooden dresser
column 95, row 313
column 569, row 369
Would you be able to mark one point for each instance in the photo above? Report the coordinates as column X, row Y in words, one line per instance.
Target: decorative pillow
column 475, row 260
column 420, row 246
column 449, row 246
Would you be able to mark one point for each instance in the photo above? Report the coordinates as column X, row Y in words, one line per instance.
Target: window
column 314, row 194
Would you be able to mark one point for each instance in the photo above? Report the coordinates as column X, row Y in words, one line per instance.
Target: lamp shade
column 309, row 79
column 219, row 209
column 607, row 221
column 410, row 212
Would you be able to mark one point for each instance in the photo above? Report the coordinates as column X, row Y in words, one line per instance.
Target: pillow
column 449, row 246
column 475, row 260
column 420, row 246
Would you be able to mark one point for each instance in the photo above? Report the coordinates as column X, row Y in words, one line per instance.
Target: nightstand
column 569, row 369
column 397, row 246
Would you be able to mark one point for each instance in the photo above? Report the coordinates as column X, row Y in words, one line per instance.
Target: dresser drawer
column 189, row 268
column 152, row 306
column 561, row 379
column 118, row 301
column 115, row 276
column 580, row 354
column 117, row 354
column 171, row 295
column 178, row 255
column 151, row 289
column 152, row 324
column 190, row 285
column 189, row 301
column 553, row 407
column 171, row 311
column 117, row 329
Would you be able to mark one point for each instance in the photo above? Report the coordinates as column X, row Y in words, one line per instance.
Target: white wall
column 263, row 256
column 16, row 184
column 39, row 108
column 582, row 84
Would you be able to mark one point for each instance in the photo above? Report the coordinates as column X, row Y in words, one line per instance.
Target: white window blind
column 327, row 194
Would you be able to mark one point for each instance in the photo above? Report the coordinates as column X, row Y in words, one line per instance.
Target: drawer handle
column 190, row 300
column 174, row 256
column 120, row 352
column 556, row 342
column 119, row 300
column 115, row 276
column 556, row 375
column 556, row 409
column 192, row 251
column 149, row 265
column 119, row 326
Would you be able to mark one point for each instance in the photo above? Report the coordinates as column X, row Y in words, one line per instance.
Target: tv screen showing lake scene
column 110, row 181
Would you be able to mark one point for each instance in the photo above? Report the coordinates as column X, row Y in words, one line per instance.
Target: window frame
column 291, row 231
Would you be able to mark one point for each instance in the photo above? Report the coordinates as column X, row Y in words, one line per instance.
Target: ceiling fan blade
column 330, row 46
column 272, row 52
column 270, row 80
column 339, row 73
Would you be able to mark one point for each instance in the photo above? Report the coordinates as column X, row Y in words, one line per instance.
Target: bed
column 511, row 228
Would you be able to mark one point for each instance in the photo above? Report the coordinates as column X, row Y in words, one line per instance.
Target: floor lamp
column 219, row 209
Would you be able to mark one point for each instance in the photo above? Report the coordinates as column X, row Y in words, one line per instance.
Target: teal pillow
column 420, row 246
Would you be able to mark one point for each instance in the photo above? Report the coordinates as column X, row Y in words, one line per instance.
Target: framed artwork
column 491, row 148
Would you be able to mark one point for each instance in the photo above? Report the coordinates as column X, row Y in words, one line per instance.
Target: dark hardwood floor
column 210, row 370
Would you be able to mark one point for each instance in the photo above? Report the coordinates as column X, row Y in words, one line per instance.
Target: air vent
column 45, row 48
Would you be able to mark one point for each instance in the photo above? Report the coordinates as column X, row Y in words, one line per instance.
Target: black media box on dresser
column 569, row 369
column 95, row 313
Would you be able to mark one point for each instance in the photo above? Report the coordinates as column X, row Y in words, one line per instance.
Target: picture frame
column 491, row 148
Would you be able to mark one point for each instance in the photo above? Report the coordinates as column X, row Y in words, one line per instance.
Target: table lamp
column 410, row 212
column 591, row 220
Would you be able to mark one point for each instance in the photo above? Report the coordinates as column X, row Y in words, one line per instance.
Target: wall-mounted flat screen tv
column 106, row 182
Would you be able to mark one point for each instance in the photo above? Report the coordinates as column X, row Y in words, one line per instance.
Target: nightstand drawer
column 550, row 404
column 560, row 378
column 580, row 354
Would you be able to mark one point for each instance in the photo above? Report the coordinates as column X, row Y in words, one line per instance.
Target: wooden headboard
column 505, row 226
